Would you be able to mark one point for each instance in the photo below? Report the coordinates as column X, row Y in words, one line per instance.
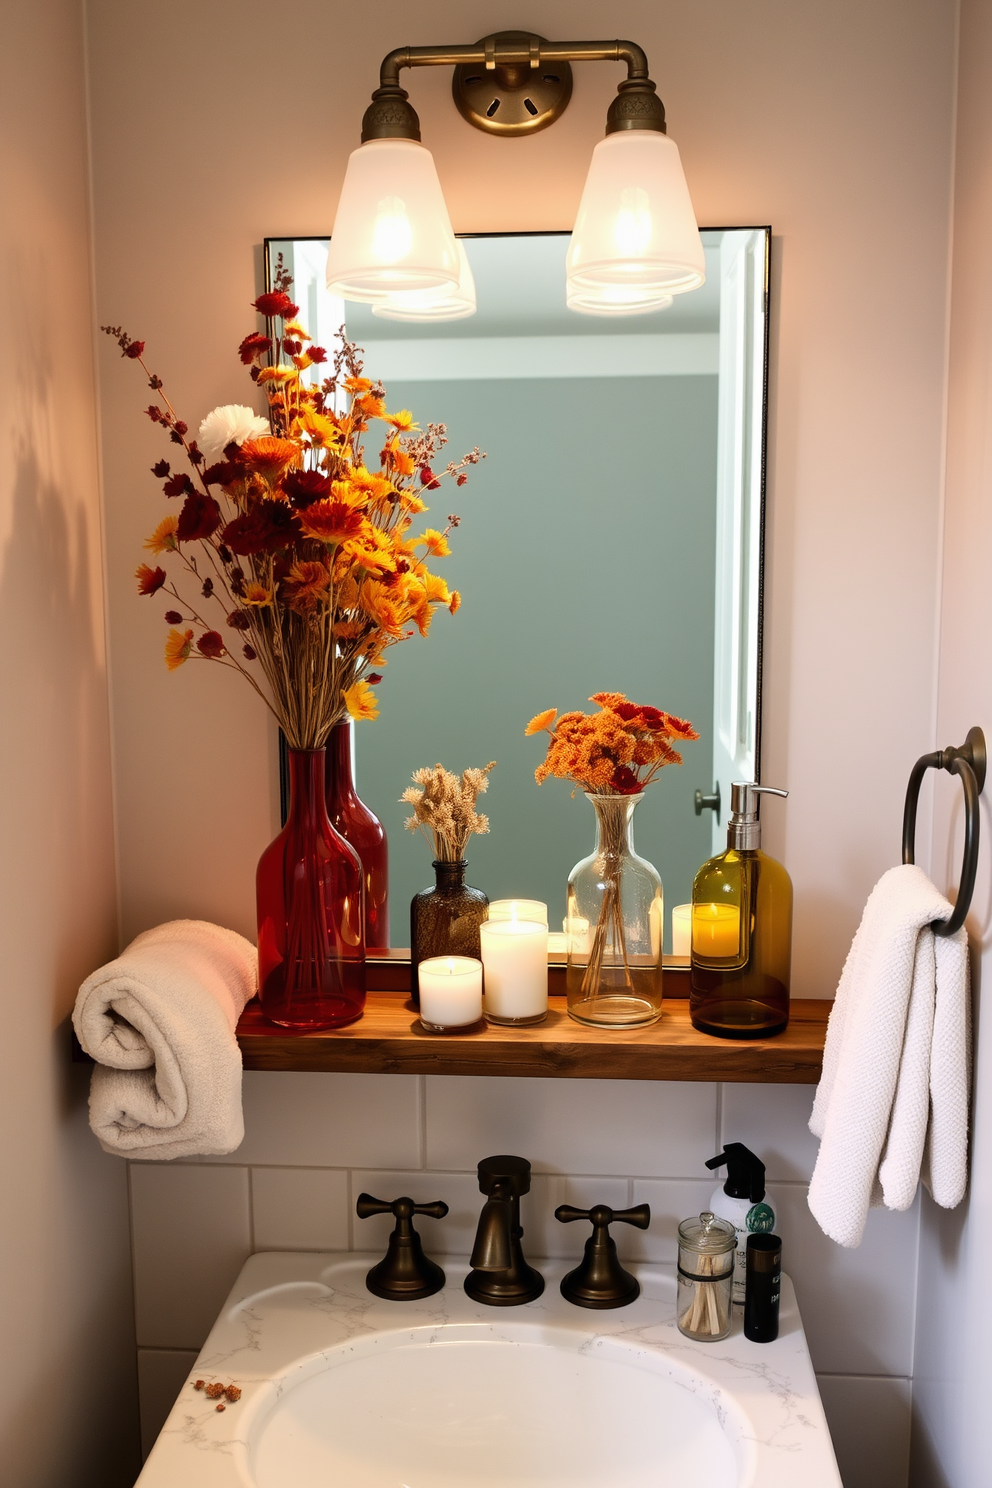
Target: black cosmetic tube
column 763, row 1285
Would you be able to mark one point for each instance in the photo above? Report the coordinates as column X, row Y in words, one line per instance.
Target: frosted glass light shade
column 615, row 299
column 433, row 304
column 392, row 232
column 635, row 224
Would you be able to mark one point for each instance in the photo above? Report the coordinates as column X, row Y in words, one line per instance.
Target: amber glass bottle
column 741, row 932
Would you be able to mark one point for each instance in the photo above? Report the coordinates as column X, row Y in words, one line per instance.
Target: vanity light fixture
column 635, row 241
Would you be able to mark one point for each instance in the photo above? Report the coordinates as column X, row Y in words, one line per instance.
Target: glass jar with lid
column 707, row 1248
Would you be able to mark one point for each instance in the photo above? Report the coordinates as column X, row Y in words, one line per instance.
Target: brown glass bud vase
column 445, row 919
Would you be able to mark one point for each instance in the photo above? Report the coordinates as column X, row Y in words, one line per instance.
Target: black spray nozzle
column 745, row 1172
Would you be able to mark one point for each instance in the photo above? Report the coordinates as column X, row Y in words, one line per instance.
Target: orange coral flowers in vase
column 616, row 908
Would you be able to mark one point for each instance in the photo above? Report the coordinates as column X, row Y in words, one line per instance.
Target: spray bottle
column 741, row 1200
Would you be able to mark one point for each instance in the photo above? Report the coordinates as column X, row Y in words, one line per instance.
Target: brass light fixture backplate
column 519, row 96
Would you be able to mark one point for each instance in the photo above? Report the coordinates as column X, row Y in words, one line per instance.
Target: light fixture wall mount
column 513, row 83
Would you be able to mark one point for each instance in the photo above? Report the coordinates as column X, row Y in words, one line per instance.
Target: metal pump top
column 744, row 828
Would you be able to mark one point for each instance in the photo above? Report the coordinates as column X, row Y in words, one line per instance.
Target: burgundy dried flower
column 173, row 617
column 225, row 473
column 267, row 527
column 318, row 354
column 211, row 645
column 134, row 350
column 161, row 469
column 238, row 620
column 199, row 517
column 179, row 485
column 275, row 303
column 292, row 348
column 154, row 413
column 208, row 588
column 304, row 487
column 253, row 346
column 248, row 653
column 374, row 678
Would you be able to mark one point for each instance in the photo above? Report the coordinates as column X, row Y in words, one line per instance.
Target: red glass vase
column 311, row 949
column 362, row 829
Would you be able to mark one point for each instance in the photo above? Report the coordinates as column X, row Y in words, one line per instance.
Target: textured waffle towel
column 160, row 1022
column 892, row 1103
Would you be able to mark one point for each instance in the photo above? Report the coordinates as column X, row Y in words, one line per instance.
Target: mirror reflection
column 610, row 541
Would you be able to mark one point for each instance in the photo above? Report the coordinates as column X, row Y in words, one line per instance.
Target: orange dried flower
column 616, row 751
column 178, row 645
column 360, row 701
column 331, row 522
column 436, row 543
column 163, row 539
column 403, row 421
column 269, row 457
column 541, row 721
column 307, row 587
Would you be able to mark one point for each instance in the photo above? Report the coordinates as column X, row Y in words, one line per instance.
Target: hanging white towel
column 892, row 1103
column 160, row 1021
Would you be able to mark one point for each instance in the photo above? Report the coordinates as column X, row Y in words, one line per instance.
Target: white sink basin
column 343, row 1390
column 535, row 1408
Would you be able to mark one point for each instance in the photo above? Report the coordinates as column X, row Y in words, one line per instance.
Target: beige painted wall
column 953, row 1362
column 67, row 1406
column 831, row 122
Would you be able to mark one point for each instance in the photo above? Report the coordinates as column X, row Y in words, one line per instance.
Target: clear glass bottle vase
column 614, row 926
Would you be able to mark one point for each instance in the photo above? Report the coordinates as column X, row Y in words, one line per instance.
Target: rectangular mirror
column 610, row 541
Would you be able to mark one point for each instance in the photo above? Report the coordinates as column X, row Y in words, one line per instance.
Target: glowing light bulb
column 392, row 235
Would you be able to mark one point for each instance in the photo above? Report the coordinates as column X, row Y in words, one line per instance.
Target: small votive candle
column 716, row 931
column 681, row 930
column 519, row 909
column 515, row 958
column 450, row 992
column 576, row 934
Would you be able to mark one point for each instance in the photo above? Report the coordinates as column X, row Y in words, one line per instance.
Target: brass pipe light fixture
column 635, row 242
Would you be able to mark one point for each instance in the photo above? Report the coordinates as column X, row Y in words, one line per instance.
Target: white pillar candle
column 450, row 991
column 519, row 909
column 515, row 957
column 681, row 929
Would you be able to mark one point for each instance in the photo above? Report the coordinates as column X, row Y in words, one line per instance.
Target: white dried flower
column 231, row 424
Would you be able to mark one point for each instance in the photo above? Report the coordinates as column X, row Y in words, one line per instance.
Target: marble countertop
column 287, row 1307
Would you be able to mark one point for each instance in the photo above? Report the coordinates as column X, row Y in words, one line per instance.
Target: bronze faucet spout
column 500, row 1277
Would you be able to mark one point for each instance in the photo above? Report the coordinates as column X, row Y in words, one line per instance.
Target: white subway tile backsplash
column 671, row 1201
column 451, row 1236
column 545, row 1236
column 869, row 1420
column 190, row 1236
column 614, row 1127
column 299, row 1208
column 161, row 1375
column 858, row 1306
column 296, row 1119
column 773, row 1121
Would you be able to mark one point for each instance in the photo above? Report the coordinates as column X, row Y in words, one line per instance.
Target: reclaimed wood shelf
column 388, row 1039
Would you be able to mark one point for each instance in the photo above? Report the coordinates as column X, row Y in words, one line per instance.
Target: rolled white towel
column 160, row 1021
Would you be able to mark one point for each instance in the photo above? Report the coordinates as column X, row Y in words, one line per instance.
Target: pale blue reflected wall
column 585, row 558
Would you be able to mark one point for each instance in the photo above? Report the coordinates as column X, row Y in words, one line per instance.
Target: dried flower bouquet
column 612, row 754
column 299, row 552
column 444, row 808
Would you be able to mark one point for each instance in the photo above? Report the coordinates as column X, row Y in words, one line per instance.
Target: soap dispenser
column 741, row 1200
column 741, row 947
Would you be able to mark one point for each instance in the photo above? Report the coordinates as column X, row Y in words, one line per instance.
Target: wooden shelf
column 388, row 1039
